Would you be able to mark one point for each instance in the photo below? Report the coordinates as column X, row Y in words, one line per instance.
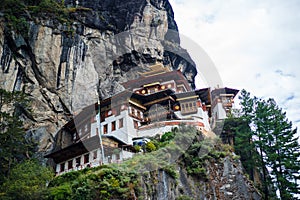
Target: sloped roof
column 226, row 90
column 177, row 76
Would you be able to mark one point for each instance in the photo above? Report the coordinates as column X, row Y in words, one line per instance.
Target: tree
column 14, row 145
column 27, row 180
column 275, row 142
column 279, row 146
column 240, row 130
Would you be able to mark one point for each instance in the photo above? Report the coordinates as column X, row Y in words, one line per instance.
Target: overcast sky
column 255, row 45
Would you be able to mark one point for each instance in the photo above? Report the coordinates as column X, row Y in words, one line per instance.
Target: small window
column 113, row 126
column 105, row 129
column 138, row 114
column 121, row 121
column 182, row 107
column 70, row 164
column 86, row 158
column 62, row 167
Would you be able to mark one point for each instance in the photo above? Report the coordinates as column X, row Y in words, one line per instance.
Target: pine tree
column 276, row 143
column 243, row 145
column 261, row 126
column 244, row 136
column 282, row 150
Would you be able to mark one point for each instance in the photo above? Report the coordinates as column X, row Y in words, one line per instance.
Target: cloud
column 281, row 73
column 290, row 98
column 254, row 45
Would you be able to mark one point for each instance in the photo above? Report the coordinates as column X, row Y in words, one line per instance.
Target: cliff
column 226, row 181
column 102, row 43
column 204, row 169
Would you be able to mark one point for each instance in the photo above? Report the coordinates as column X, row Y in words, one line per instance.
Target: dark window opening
column 62, row 167
column 86, row 158
column 105, row 129
column 70, row 164
column 78, row 162
column 113, row 126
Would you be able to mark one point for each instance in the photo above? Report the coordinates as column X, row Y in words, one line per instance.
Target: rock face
column 225, row 181
column 108, row 44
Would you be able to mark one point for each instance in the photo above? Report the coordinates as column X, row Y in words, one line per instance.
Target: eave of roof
column 75, row 149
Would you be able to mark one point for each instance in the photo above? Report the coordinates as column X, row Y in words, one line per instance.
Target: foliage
column 26, row 180
column 243, row 145
column 196, row 157
column 122, row 181
column 137, row 148
column 171, row 171
column 105, row 182
column 14, row 145
column 168, row 136
column 150, row 146
column 274, row 141
column 18, row 13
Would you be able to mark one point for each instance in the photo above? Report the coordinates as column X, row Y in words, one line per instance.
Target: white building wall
column 120, row 133
column 132, row 132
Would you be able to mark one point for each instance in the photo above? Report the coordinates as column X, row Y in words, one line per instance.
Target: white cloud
column 255, row 45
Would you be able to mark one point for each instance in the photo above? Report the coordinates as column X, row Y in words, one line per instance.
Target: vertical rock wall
column 225, row 181
column 110, row 43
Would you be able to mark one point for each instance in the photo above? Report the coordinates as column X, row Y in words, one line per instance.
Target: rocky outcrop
column 226, row 180
column 60, row 66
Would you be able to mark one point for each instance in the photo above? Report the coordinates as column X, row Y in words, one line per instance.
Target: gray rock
column 111, row 43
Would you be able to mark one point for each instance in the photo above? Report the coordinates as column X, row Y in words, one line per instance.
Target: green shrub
column 150, row 147
column 167, row 136
column 62, row 192
column 137, row 148
column 171, row 171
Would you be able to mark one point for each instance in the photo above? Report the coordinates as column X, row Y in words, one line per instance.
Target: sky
column 254, row 45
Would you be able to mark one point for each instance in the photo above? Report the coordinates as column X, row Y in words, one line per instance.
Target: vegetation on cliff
column 18, row 14
column 123, row 181
column 263, row 138
column 179, row 148
column 267, row 142
column 14, row 145
column 21, row 176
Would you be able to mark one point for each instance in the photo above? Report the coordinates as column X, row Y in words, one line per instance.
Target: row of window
column 86, row 159
column 113, row 126
column 135, row 112
column 188, row 107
